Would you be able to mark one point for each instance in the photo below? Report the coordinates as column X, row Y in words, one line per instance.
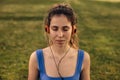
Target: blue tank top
column 44, row 76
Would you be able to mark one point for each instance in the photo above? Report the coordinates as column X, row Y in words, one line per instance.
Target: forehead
column 60, row 20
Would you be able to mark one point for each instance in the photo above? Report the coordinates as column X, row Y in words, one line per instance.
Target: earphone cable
column 62, row 58
column 55, row 63
column 57, row 66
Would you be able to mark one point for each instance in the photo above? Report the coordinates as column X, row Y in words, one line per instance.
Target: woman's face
column 60, row 30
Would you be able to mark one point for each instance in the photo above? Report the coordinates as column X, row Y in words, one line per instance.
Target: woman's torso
column 70, row 66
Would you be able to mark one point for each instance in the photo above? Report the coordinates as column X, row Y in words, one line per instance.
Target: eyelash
column 54, row 29
column 64, row 29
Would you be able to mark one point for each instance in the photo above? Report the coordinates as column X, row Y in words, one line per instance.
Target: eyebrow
column 58, row 26
column 66, row 26
column 54, row 26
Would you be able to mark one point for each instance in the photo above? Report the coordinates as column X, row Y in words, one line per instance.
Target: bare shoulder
column 86, row 61
column 33, row 55
column 33, row 67
column 33, row 59
column 86, row 56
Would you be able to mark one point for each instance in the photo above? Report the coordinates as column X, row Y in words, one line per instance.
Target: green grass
column 22, row 32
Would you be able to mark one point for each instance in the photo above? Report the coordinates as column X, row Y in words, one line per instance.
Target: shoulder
column 86, row 60
column 86, row 56
column 34, row 54
column 85, row 71
column 33, row 57
column 33, row 61
column 33, row 67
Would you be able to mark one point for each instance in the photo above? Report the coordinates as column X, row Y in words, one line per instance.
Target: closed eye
column 54, row 28
column 65, row 28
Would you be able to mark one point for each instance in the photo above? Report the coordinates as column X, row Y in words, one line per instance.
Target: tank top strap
column 80, row 60
column 40, row 59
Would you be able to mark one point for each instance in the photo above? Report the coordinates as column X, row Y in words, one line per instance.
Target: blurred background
column 22, row 32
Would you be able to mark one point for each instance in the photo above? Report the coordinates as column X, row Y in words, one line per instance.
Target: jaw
column 61, row 45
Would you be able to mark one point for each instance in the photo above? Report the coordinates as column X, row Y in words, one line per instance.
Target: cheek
column 52, row 36
column 68, row 36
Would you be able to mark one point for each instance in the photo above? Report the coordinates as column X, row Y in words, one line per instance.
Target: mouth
column 60, row 41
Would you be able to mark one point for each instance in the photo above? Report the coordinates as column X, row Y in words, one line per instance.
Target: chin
column 60, row 44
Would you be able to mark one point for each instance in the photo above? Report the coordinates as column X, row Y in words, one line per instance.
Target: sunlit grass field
column 22, row 32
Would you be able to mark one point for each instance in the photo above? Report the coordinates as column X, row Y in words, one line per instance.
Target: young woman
column 62, row 59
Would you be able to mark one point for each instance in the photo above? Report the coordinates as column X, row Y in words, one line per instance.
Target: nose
column 60, row 33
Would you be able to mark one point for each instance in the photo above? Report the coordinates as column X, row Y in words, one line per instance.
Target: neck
column 59, row 50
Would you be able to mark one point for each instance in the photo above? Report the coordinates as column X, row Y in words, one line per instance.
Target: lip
column 60, row 41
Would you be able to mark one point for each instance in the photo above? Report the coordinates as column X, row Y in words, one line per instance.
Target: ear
column 47, row 29
column 74, row 29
